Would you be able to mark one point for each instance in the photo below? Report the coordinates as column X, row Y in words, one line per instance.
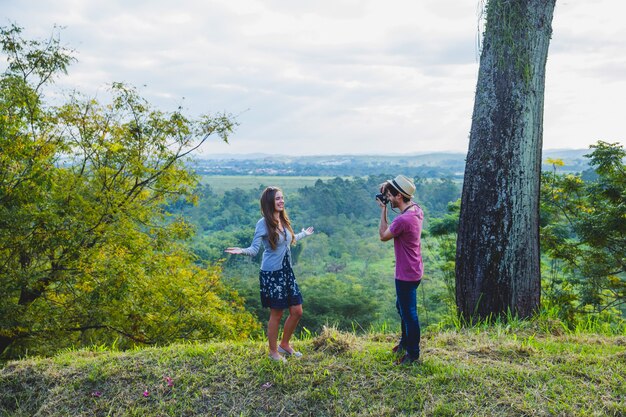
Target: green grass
column 288, row 184
column 473, row 372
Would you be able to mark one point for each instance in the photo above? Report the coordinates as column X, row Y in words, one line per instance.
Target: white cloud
column 332, row 76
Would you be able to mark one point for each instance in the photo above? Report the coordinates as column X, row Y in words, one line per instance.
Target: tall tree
column 497, row 261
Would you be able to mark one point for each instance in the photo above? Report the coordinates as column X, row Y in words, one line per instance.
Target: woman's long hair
column 267, row 209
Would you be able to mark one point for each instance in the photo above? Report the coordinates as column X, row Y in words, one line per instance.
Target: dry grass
column 333, row 341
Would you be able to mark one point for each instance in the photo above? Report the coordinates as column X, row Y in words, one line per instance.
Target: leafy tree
column 584, row 228
column 498, row 260
column 88, row 252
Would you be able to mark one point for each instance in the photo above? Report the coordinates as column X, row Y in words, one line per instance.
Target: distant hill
column 574, row 159
column 427, row 165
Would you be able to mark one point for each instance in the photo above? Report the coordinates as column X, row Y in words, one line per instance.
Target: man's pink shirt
column 406, row 230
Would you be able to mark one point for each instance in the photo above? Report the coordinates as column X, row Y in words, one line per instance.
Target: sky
column 332, row 76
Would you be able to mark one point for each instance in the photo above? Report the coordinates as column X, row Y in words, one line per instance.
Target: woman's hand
column 234, row 251
column 308, row 231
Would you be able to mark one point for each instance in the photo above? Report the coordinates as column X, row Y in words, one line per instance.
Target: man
column 405, row 230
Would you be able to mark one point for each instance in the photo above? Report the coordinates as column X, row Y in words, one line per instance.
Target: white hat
column 404, row 185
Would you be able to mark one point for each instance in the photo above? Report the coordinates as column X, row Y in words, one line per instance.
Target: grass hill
column 495, row 372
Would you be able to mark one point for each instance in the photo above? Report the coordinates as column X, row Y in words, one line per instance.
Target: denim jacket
column 272, row 259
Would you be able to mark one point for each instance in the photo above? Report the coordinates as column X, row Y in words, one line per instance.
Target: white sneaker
column 286, row 353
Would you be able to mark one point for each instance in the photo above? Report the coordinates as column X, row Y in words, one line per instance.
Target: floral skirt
column 279, row 289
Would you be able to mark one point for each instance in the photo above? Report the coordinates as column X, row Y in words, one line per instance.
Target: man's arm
column 383, row 226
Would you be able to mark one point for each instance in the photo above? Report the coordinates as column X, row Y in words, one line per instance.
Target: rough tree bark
column 497, row 259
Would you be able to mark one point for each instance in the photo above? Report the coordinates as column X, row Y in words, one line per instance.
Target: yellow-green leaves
column 88, row 251
column 555, row 162
column 584, row 234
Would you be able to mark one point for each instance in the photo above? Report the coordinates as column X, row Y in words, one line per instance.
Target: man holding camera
column 405, row 230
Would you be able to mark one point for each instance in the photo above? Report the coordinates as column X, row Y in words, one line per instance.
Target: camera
column 382, row 197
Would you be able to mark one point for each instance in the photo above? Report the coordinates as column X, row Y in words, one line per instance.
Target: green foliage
column 444, row 232
column 345, row 272
column 88, row 251
column 584, row 236
column 342, row 301
column 346, row 249
column 435, row 195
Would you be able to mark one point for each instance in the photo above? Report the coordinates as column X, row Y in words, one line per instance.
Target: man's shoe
column 397, row 348
column 408, row 360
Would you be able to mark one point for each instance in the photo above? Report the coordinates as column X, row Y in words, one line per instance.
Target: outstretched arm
column 304, row 233
column 234, row 251
column 259, row 232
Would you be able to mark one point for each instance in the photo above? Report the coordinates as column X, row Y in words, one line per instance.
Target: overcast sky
column 333, row 76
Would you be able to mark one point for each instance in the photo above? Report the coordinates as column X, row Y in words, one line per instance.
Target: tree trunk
column 497, row 259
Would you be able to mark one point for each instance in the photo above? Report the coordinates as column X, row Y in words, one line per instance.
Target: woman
column 279, row 289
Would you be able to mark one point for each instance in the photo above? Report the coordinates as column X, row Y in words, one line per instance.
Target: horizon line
column 264, row 154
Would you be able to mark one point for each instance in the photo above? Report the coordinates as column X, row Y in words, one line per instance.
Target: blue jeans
column 406, row 303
